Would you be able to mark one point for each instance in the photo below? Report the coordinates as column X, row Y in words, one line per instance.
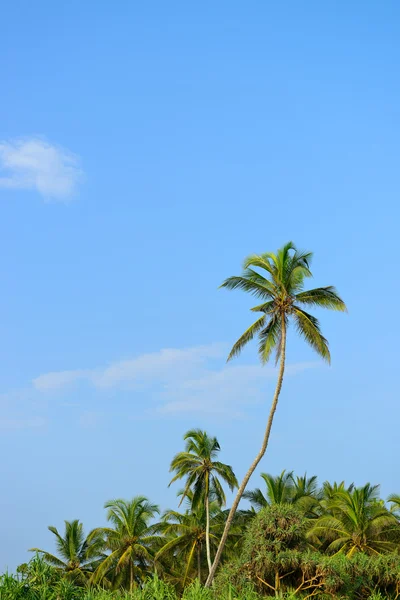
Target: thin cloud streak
column 166, row 363
column 189, row 380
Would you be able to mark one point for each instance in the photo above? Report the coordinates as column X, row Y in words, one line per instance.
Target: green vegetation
column 294, row 539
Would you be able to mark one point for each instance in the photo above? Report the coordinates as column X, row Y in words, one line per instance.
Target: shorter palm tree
column 184, row 539
column 130, row 542
column 307, row 496
column 356, row 521
column 197, row 463
column 287, row 489
column 329, row 490
column 279, row 490
column 78, row 555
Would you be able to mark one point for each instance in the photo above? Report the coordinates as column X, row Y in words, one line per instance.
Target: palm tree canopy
column 184, row 534
column 286, row 489
column 130, row 540
column 280, row 286
column 197, row 463
column 356, row 521
column 279, row 490
column 75, row 551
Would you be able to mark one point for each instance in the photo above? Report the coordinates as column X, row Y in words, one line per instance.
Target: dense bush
column 277, row 560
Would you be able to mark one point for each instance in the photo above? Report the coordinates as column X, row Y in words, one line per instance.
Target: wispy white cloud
column 35, row 164
column 162, row 365
column 177, row 380
column 15, row 423
column 59, row 379
column 224, row 391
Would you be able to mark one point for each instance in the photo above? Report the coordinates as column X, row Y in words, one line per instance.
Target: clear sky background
column 145, row 149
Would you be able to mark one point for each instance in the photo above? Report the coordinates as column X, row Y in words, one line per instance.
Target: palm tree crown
column 281, row 288
column 279, row 490
column 356, row 521
column 77, row 554
column 286, row 489
column 198, row 464
column 129, row 541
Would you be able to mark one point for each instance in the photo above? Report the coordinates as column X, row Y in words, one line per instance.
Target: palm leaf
column 308, row 327
column 247, row 285
column 246, row 337
column 269, row 338
column 324, row 297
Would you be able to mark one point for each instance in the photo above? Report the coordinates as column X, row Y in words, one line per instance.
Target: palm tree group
column 189, row 544
column 138, row 543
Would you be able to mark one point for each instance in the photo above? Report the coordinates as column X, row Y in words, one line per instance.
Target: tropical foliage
column 295, row 539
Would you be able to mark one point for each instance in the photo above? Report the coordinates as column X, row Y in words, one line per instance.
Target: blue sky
column 145, row 150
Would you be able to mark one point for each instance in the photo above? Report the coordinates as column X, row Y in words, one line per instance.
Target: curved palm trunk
column 254, row 464
column 207, row 500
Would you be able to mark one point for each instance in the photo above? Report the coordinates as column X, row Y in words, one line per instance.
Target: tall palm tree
column 197, row 463
column 78, row 555
column 280, row 287
column 356, row 521
column 130, row 541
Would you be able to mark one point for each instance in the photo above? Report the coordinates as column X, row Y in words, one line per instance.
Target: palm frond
column 265, row 307
column 50, row 558
column 269, row 338
column 308, row 327
column 324, row 297
column 246, row 337
column 227, row 474
column 256, row 498
column 262, row 261
column 247, row 285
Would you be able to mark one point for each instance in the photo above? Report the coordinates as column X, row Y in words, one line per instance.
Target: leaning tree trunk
column 254, row 464
column 207, row 501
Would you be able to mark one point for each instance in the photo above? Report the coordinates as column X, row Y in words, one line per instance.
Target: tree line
column 294, row 539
